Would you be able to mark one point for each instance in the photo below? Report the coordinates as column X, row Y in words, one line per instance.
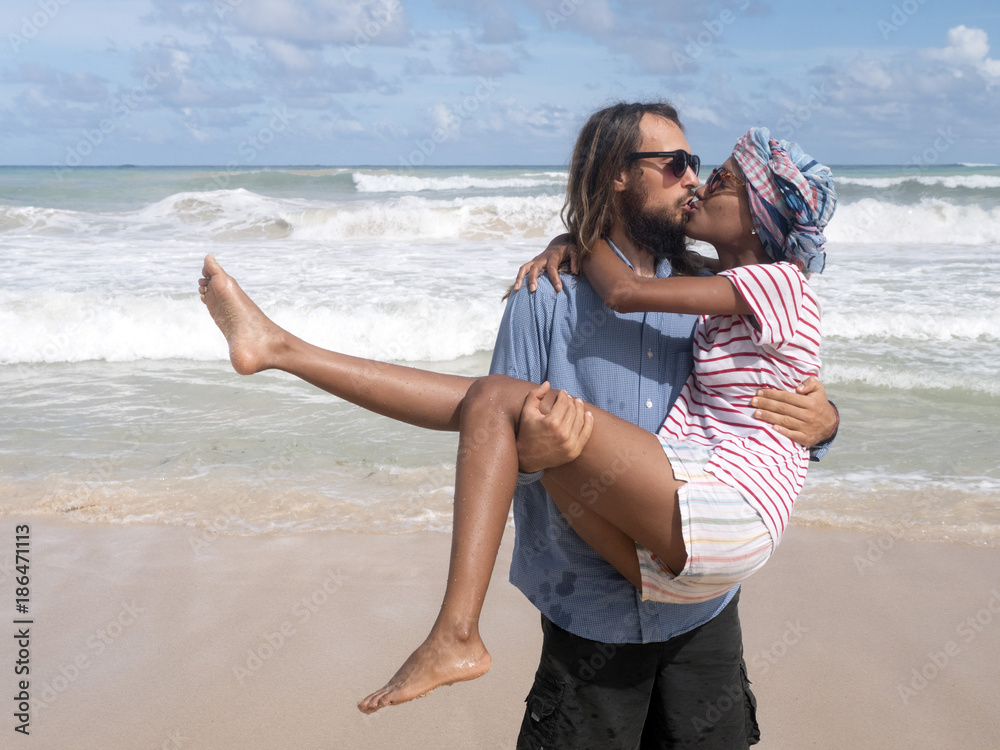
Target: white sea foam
column 410, row 217
column 401, row 183
column 59, row 326
column 240, row 215
column 894, row 379
column 938, row 327
column 973, row 182
column 933, row 221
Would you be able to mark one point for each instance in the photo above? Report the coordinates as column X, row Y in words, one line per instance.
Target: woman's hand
column 804, row 416
column 550, row 259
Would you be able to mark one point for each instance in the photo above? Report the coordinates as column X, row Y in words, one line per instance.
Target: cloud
column 967, row 48
column 418, row 67
column 651, row 35
column 469, row 60
column 494, row 17
column 52, row 84
column 308, row 22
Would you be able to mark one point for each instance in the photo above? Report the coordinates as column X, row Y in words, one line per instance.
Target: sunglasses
column 718, row 176
column 680, row 160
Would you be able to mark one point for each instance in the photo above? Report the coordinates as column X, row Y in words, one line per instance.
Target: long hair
column 600, row 158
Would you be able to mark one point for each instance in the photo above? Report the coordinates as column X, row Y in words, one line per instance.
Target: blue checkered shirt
column 634, row 366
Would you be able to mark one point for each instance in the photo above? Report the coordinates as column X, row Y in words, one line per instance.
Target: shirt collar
column 663, row 268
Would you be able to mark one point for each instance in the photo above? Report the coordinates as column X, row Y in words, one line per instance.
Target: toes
column 211, row 267
column 370, row 704
column 378, row 699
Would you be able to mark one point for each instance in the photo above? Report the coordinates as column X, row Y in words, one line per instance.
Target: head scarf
column 791, row 198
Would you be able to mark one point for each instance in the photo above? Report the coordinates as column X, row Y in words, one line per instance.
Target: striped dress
column 735, row 355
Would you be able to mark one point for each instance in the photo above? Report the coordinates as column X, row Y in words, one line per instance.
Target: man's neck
column 642, row 260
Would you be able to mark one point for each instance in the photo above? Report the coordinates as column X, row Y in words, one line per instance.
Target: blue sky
column 444, row 82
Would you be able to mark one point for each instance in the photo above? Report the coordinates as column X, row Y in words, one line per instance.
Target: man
column 617, row 672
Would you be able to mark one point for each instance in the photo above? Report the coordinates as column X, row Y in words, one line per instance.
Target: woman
column 765, row 207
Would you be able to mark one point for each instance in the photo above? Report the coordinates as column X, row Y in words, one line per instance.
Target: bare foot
column 438, row 661
column 252, row 337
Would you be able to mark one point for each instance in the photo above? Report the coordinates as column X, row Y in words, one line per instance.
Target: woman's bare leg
column 426, row 399
column 606, row 539
column 485, row 479
column 622, row 475
column 454, row 650
column 619, row 460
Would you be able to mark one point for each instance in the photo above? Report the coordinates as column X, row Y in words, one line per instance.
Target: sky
column 406, row 83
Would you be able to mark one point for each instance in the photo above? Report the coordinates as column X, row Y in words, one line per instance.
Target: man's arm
column 522, row 351
column 804, row 416
column 551, row 436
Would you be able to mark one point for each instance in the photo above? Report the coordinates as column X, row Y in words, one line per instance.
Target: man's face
column 651, row 199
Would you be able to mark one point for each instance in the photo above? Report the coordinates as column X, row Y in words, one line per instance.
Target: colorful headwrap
column 791, row 198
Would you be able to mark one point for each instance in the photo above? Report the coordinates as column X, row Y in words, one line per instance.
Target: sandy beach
column 154, row 636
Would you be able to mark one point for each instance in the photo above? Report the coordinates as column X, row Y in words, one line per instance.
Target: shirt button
column 649, row 404
column 650, row 354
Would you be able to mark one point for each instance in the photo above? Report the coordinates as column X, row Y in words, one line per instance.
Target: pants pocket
column 750, row 703
column 540, row 715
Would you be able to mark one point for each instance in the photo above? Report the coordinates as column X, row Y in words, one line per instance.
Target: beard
column 657, row 231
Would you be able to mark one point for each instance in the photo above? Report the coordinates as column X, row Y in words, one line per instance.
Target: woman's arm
column 625, row 291
column 549, row 261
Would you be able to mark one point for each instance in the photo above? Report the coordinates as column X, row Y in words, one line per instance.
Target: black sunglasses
column 680, row 160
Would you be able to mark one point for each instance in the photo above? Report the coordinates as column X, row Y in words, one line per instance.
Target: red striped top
column 734, row 355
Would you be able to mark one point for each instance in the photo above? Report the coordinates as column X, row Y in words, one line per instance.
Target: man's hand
column 549, row 261
column 805, row 416
column 551, row 435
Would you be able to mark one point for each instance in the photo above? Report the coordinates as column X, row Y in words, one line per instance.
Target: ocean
column 118, row 404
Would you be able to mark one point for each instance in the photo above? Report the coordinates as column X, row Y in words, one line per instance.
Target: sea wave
column 241, row 215
column 896, row 379
column 401, row 183
column 410, row 217
column 972, row 182
column 60, row 326
column 931, row 221
column 939, row 327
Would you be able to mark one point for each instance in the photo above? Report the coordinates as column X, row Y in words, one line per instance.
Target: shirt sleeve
column 775, row 293
column 522, row 345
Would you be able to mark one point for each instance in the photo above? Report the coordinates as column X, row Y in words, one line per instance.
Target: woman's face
column 721, row 218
